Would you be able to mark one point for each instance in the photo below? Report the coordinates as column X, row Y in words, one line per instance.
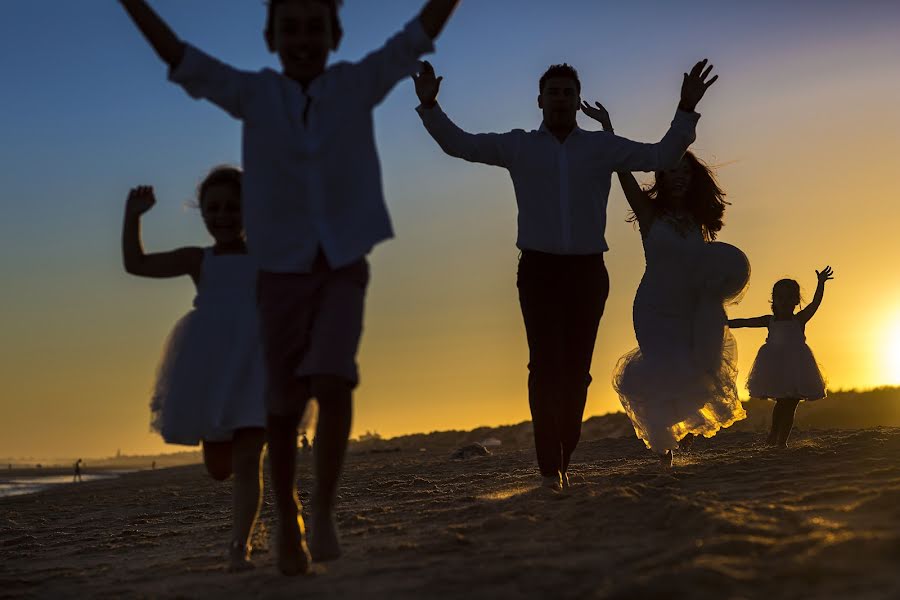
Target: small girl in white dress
column 210, row 384
column 785, row 369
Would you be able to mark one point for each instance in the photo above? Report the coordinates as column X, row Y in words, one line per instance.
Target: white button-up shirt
column 311, row 173
column 562, row 188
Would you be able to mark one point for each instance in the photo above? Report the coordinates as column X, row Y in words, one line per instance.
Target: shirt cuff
column 684, row 116
column 418, row 40
column 191, row 65
column 427, row 112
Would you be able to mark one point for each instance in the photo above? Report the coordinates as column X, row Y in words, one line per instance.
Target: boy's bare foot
column 324, row 544
column 293, row 555
column 549, row 481
column 239, row 557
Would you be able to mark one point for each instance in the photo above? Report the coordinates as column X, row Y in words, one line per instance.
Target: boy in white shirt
column 310, row 222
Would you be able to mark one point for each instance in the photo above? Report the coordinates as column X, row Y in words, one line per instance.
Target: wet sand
column 735, row 519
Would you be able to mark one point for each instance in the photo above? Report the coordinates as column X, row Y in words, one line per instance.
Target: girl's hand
column 695, row 85
column 140, row 200
column 598, row 114
column 825, row 274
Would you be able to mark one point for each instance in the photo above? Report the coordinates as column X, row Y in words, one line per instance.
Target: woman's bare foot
column 686, row 442
column 666, row 459
column 565, row 480
column 324, row 544
column 239, row 557
column 293, row 555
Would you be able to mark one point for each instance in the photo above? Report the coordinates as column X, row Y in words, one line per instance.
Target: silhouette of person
column 561, row 175
column 77, row 475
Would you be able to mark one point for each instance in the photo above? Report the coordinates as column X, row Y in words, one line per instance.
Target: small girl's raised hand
column 140, row 200
column 825, row 274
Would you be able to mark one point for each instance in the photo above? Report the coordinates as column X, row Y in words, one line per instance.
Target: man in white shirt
column 313, row 209
column 561, row 175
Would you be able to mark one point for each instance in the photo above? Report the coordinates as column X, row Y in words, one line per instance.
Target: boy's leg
column 285, row 316
column 334, row 395
column 247, row 450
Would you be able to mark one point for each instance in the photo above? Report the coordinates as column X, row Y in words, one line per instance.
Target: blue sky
column 87, row 113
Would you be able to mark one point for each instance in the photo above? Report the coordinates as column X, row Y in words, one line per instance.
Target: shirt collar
column 543, row 129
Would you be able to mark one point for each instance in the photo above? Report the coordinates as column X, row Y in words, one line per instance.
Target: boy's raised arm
column 164, row 41
column 435, row 15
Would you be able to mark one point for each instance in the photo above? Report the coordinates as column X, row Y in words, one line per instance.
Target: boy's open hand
column 695, row 85
column 140, row 200
column 597, row 113
column 427, row 85
column 825, row 274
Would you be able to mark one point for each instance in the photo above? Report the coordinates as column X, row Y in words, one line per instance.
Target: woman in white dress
column 210, row 384
column 681, row 380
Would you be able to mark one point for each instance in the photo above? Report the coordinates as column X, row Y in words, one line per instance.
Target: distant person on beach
column 211, row 379
column 314, row 211
column 785, row 369
column 77, row 475
column 561, row 175
column 681, row 381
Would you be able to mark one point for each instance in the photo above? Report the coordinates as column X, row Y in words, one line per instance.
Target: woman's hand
column 599, row 114
column 825, row 275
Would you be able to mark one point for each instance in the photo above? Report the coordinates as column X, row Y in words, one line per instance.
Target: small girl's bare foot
column 293, row 555
column 239, row 557
column 324, row 544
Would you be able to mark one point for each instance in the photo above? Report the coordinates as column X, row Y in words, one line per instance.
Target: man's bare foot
column 666, row 459
column 549, row 481
column 293, row 555
column 324, row 544
column 239, row 557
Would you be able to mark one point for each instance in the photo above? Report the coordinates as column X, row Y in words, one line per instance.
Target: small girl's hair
column 789, row 286
column 223, row 174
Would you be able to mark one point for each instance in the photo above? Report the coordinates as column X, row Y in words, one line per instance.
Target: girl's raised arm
column 636, row 197
column 762, row 321
column 183, row 261
column 807, row 313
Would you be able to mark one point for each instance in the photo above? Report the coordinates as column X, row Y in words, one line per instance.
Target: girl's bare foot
column 324, row 544
column 239, row 557
column 293, row 555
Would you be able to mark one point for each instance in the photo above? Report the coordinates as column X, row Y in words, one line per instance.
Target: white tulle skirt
column 210, row 380
column 682, row 378
column 786, row 371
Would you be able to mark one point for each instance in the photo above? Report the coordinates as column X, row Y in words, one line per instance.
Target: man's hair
column 333, row 6
column 563, row 70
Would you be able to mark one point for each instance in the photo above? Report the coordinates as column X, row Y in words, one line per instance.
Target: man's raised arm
column 634, row 156
column 435, row 15
column 161, row 37
column 496, row 149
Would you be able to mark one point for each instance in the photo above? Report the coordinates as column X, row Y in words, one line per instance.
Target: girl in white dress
column 785, row 369
column 210, row 383
column 681, row 380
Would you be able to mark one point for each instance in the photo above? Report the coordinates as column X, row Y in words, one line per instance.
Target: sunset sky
column 804, row 123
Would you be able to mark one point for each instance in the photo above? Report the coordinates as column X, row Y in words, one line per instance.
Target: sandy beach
column 733, row 520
